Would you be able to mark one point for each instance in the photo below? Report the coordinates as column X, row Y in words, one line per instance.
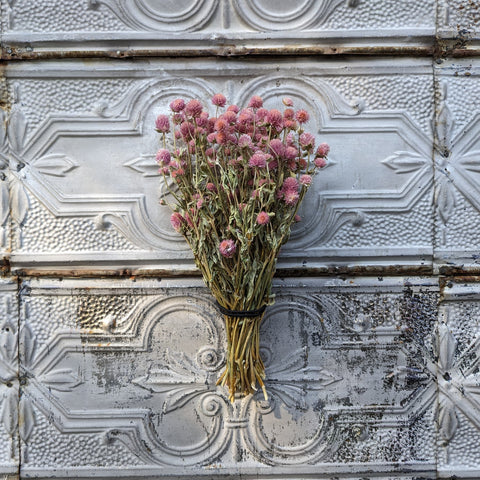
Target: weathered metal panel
column 122, row 376
column 91, row 186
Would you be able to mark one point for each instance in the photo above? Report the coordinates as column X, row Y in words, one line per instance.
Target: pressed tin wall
column 110, row 345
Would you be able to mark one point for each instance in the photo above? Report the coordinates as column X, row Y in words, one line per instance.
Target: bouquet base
column 244, row 368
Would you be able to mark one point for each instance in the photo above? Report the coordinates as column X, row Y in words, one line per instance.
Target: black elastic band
column 241, row 313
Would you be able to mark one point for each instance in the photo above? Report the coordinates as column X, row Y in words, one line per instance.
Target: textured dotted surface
column 43, row 232
column 51, row 448
column 64, row 16
column 414, row 227
column 383, row 14
column 462, row 230
column 47, row 315
column 464, row 13
column 41, row 98
column 411, row 94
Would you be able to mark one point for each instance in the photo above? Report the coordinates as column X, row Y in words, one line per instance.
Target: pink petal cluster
column 258, row 160
column 177, row 221
column 177, row 105
column 163, row 157
column 219, row 100
column 162, row 124
column 263, row 218
column 227, row 248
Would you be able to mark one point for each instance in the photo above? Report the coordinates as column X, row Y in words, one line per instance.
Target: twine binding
column 241, row 313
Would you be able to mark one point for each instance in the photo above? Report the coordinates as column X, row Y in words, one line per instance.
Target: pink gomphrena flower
column 273, row 165
column 291, row 153
column 177, row 173
column 290, row 139
column 219, row 100
column 211, row 137
column 275, row 119
column 210, row 152
column 211, row 187
column 322, row 150
column 258, row 160
column 193, row 108
column 178, row 118
column 277, row 147
column 305, row 180
column 320, row 162
column 302, row 116
column 297, row 218
column 288, row 102
column 290, row 184
column 233, row 108
column 191, row 147
column 245, row 141
column 307, row 141
column 221, row 125
column 162, row 124
column 187, row 130
column 230, row 117
column 261, row 114
column 202, row 120
column 178, row 134
column 164, row 171
column 290, row 197
column 177, row 105
column 177, row 221
column 255, row 102
column 163, row 157
column 227, row 248
column 263, row 218
column 302, row 163
column 221, row 138
column 288, row 114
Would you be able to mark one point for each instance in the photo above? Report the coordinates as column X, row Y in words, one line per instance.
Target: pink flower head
column 227, row 248
column 177, row 221
column 302, row 116
column 219, row 100
column 233, row 108
column 263, row 218
column 288, row 114
column 221, row 125
column 277, row 147
column 162, row 124
column 193, row 108
column 290, row 197
column 258, row 160
column 291, row 153
column 230, row 117
column 211, row 137
column 290, row 184
column 221, row 138
column 245, row 141
column 320, row 162
column 211, row 187
column 187, row 130
column 307, row 141
column 306, row 180
column 297, row 218
column 275, row 118
column 322, row 150
column 255, row 102
column 177, row 105
column 288, row 102
column 163, row 157
column 262, row 114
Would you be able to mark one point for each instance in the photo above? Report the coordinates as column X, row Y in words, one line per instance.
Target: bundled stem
column 244, row 366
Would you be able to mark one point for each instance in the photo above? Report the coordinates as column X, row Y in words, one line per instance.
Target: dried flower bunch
column 237, row 180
